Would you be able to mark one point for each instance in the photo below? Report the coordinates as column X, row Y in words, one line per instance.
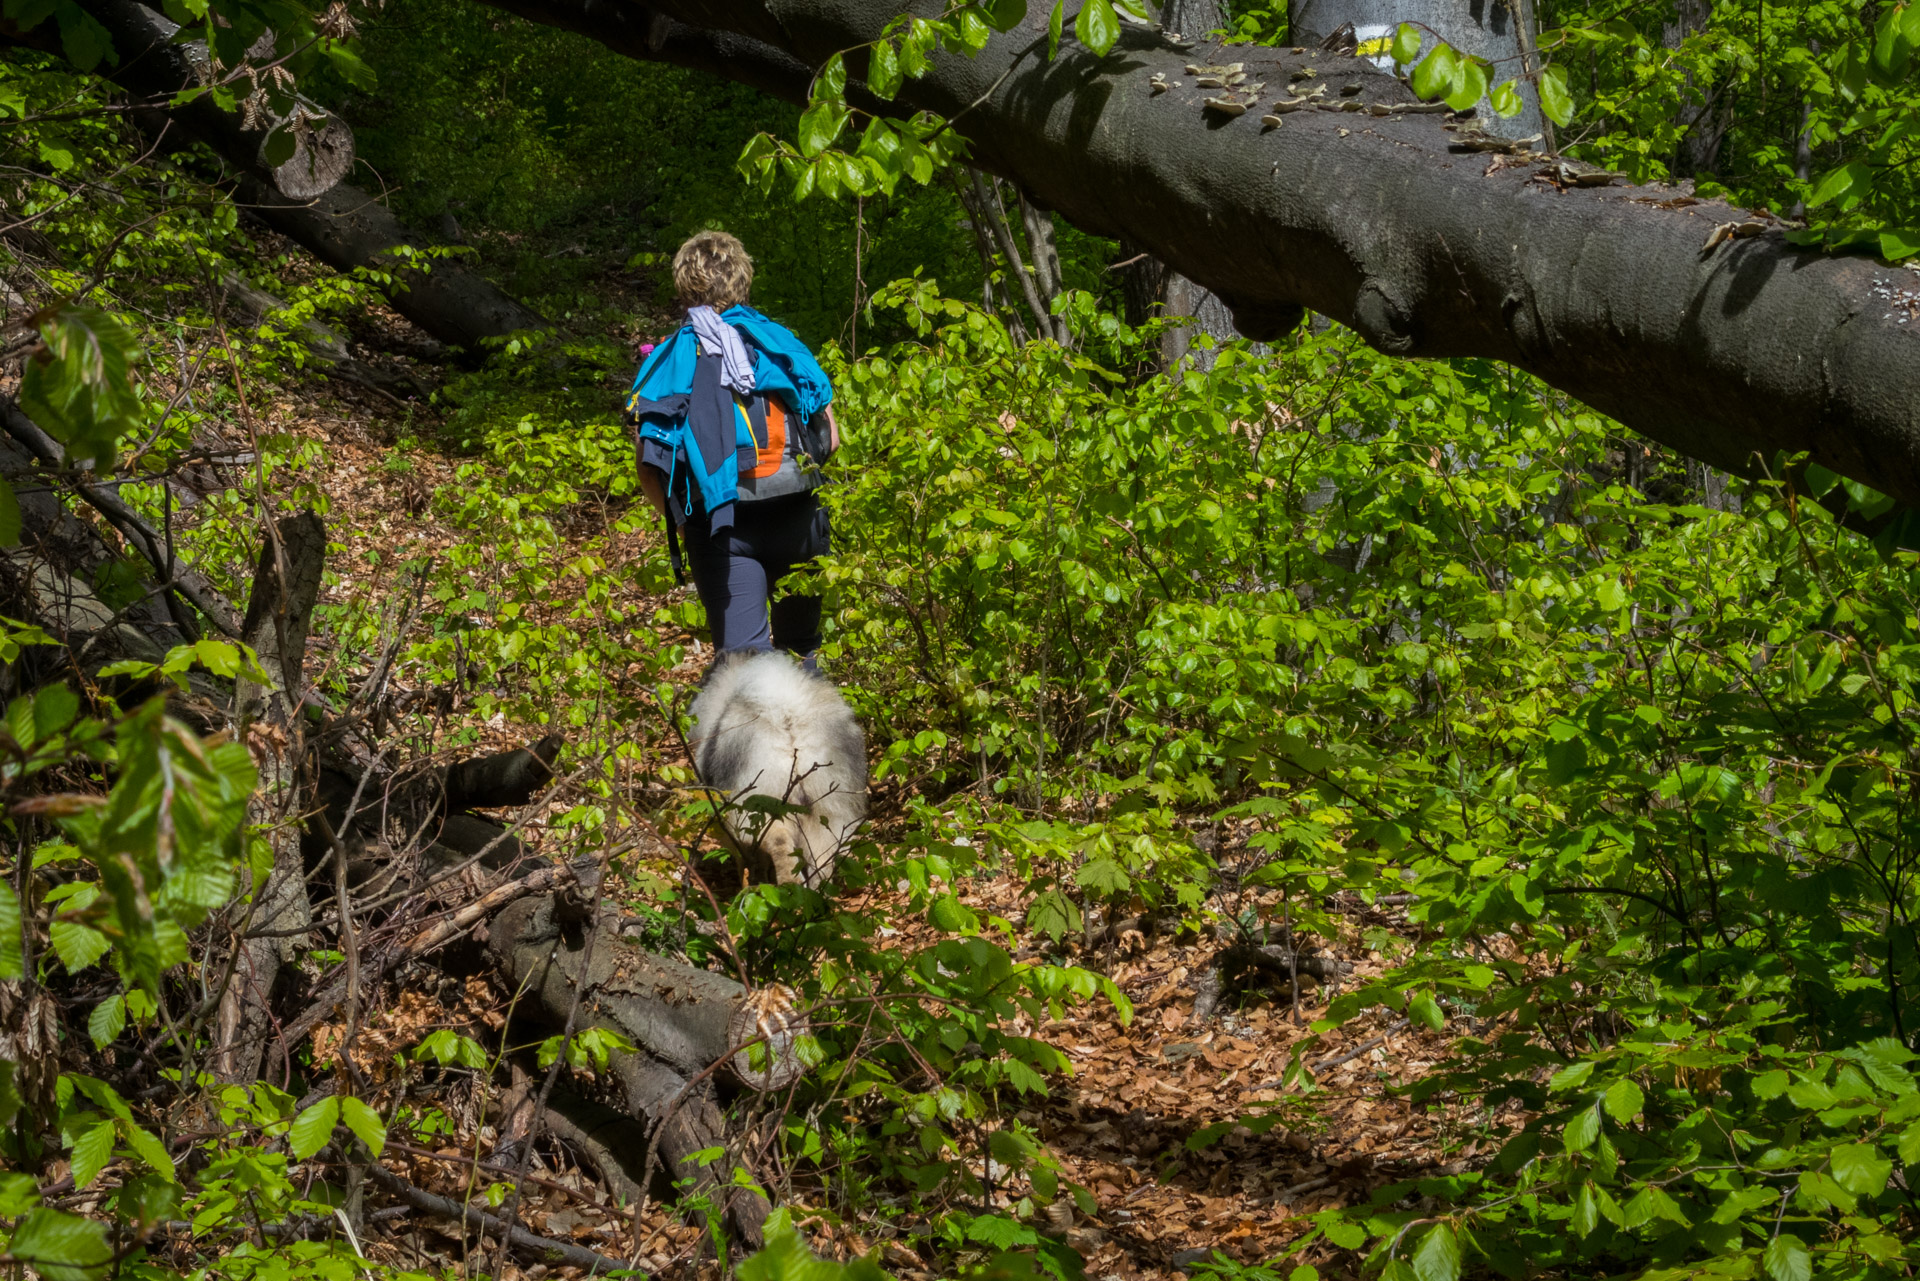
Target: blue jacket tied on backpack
column 686, row 415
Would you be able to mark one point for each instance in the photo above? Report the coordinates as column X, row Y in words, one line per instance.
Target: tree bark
column 286, row 586
column 679, row 1016
column 1608, row 293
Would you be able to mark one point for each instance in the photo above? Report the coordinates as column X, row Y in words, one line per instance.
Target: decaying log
column 673, row 1011
column 684, row 1121
column 508, row 778
column 326, row 346
column 679, row 1016
column 1243, row 955
column 286, row 586
column 433, row 937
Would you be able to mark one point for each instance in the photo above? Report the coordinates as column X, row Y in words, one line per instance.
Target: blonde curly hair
column 712, row 270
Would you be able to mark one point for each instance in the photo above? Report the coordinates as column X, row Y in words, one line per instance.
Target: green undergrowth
column 1642, row 762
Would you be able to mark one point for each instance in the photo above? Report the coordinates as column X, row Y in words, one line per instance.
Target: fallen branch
column 1321, row 1065
column 443, row 931
column 190, row 584
column 440, row 1207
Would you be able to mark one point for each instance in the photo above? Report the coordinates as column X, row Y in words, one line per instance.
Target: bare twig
column 440, row 1207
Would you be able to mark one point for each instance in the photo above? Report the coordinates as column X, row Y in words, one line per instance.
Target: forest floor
column 1120, row 1123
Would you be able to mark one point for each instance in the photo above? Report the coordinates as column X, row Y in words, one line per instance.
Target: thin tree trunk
column 988, row 202
column 1046, row 262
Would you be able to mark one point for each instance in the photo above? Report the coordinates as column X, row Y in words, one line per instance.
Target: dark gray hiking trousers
column 735, row 571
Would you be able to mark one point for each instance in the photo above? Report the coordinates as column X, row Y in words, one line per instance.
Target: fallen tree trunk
column 684, row 1019
column 340, row 224
column 325, row 345
column 346, row 228
column 1727, row 348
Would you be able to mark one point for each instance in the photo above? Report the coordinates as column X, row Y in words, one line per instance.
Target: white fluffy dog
column 765, row 727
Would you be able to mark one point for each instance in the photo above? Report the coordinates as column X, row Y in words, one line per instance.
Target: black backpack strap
column 673, row 552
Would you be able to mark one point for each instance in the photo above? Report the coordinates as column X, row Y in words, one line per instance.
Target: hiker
column 733, row 423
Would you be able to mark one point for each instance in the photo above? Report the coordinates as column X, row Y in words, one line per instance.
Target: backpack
column 717, row 447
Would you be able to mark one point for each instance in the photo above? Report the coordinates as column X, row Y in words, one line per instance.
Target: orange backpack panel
column 771, row 452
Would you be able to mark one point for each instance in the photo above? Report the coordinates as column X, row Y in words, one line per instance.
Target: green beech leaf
column 1438, row 1256
column 1892, row 47
column 11, row 962
column 1586, row 1211
column 1900, row 244
column 820, row 124
column 107, row 1020
column 312, row 1128
column 883, row 70
column 62, row 1247
column 1436, row 73
column 1786, row 1259
column 1571, row 1077
column 77, row 945
column 1055, row 27
column 1624, row 1100
column 1555, row 102
column 1425, row 1011
column 1506, row 100
column 1861, row 1169
column 1097, row 25
column 1348, row 1236
column 91, row 1152
column 278, row 147
column 151, row 1150
column 365, row 1124
column 1469, row 83
column 1406, row 44
column 1583, row 1129
column 1819, row 480
column 82, row 38
column 1005, row 15
column 352, row 68
column 1848, row 184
